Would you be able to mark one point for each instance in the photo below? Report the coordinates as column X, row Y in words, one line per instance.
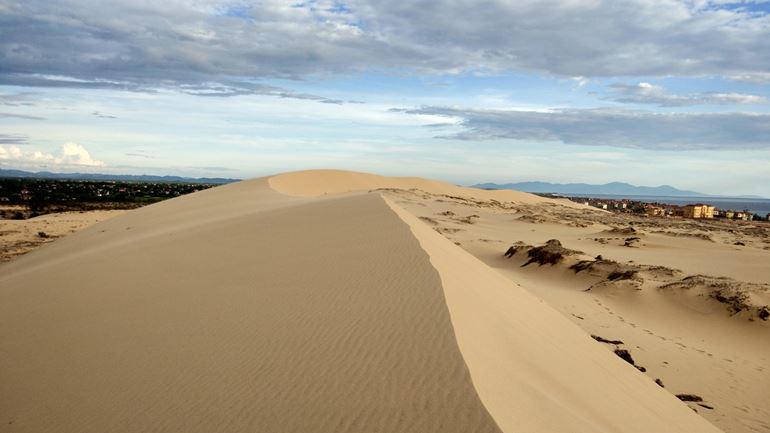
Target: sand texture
column 321, row 316
column 319, row 301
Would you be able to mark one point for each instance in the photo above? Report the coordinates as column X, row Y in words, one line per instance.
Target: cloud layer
column 130, row 43
column 12, row 139
column 616, row 128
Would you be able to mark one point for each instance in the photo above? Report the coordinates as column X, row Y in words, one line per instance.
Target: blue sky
column 646, row 91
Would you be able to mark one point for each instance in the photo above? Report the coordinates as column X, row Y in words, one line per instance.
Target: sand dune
column 292, row 304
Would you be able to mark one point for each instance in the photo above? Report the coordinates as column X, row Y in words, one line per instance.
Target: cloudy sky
column 649, row 92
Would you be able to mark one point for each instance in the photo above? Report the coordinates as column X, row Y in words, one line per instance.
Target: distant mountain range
column 613, row 188
column 118, row 177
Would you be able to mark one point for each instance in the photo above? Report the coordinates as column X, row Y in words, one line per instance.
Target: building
column 654, row 211
column 698, row 210
column 745, row 216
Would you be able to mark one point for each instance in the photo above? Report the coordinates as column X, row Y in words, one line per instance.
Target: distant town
column 28, row 198
column 665, row 210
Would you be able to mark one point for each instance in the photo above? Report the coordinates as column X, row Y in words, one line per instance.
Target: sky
column 648, row 92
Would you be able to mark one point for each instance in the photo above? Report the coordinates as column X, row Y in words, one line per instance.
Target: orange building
column 698, row 210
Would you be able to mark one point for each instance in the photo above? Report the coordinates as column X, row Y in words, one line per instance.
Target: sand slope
column 243, row 309
column 311, row 316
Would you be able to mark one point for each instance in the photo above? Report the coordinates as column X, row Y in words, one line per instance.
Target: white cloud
column 646, row 93
column 70, row 155
column 11, row 153
column 75, row 154
column 754, row 78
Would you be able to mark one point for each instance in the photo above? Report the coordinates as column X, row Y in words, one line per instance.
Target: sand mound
column 242, row 309
column 628, row 230
column 312, row 183
column 551, row 253
column 738, row 298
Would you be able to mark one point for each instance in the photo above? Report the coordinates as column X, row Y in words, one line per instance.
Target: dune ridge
column 296, row 303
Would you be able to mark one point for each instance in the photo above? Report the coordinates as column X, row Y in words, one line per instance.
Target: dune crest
column 313, row 183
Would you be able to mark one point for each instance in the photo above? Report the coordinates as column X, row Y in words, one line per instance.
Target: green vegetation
column 41, row 196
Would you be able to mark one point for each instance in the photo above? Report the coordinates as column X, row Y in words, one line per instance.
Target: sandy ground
column 563, row 381
column 19, row 237
column 332, row 301
column 667, row 315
